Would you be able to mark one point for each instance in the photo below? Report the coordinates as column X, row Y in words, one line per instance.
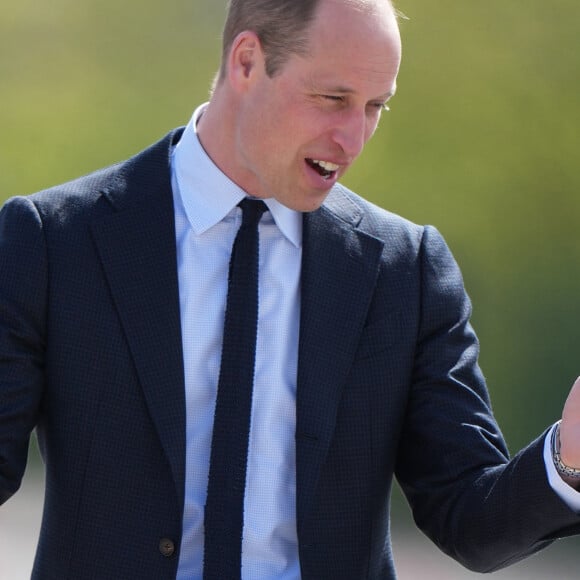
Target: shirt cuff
column 567, row 494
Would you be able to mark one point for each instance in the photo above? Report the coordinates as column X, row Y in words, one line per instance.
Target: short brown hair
column 281, row 26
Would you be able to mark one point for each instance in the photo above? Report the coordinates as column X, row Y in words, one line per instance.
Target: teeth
column 326, row 165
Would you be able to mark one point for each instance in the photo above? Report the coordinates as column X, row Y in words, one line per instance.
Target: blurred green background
column 482, row 141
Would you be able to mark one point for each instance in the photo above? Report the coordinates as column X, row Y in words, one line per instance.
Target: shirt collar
column 209, row 195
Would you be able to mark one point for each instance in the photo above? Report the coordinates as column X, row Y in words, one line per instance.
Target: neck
column 214, row 133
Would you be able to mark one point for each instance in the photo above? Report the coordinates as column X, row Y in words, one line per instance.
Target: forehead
column 355, row 38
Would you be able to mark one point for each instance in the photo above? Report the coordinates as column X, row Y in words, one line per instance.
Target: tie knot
column 252, row 210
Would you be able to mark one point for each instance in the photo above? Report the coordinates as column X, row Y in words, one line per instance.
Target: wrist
column 569, row 474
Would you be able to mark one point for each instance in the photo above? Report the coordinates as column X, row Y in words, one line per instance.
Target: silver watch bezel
column 560, row 466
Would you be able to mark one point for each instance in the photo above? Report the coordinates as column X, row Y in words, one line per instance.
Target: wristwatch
column 560, row 466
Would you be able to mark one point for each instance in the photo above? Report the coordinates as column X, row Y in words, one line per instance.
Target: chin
column 311, row 204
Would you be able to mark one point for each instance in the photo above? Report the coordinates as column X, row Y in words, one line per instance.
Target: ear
column 246, row 60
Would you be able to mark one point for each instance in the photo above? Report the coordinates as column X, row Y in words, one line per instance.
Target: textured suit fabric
column 388, row 385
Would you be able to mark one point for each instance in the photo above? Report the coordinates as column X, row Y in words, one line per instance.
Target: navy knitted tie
column 224, row 508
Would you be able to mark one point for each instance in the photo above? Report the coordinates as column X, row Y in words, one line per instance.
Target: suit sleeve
column 453, row 465
column 23, row 285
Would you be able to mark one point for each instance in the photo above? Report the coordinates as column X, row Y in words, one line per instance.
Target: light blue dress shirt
column 207, row 219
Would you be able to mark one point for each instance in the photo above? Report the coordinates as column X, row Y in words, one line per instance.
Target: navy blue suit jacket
column 388, row 384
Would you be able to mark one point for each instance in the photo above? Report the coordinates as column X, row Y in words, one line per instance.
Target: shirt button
column 166, row 547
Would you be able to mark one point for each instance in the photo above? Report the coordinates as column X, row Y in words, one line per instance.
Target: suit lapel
column 339, row 272
column 137, row 250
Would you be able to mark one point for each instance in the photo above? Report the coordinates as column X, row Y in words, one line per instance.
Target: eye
column 333, row 98
column 380, row 106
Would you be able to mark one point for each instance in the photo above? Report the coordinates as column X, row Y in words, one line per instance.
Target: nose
column 352, row 131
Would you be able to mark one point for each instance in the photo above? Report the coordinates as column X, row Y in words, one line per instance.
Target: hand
column 570, row 430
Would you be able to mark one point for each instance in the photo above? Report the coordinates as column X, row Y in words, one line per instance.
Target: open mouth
column 324, row 168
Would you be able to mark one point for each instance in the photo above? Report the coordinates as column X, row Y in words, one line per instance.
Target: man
column 112, row 298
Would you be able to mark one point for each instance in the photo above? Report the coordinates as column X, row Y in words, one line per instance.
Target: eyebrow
column 348, row 91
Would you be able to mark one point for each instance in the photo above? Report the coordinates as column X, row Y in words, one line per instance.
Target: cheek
column 267, row 129
column 280, row 137
column 280, row 130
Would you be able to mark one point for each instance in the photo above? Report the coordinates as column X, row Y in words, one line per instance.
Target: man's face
column 298, row 132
